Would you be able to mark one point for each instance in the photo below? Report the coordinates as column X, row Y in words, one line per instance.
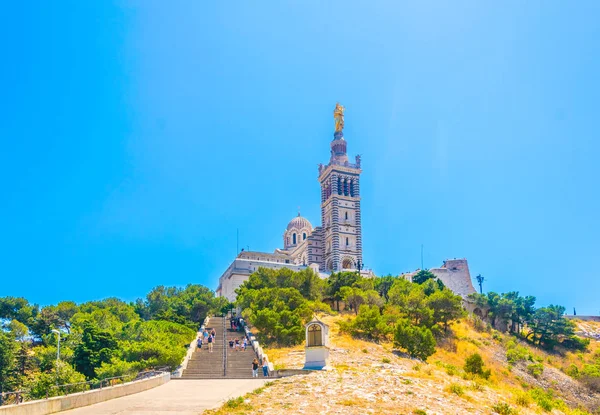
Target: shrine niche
column 317, row 345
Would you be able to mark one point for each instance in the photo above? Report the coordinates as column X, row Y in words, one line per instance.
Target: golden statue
column 338, row 116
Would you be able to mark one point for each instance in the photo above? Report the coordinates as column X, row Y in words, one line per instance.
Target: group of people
column 236, row 323
column 265, row 367
column 237, row 345
column 207, row 338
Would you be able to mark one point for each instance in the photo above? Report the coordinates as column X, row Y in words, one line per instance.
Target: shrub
column 385, row 360
column 456, row 389
column 419, row 412
column 474, row 364
column 522, row 399
column 451, row 370
column 545, row 399
column 515, row 354
column 476, row 386
column 590, row 376
column 477, row 323
column 535, row 369
column 572, row 371
column 234, row 402
column 504, row 409
column 417, row 341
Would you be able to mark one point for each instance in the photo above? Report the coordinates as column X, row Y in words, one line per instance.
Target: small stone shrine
column 317, row 345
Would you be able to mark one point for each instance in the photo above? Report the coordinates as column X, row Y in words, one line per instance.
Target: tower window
column 347, row 242
column 303, row 236
column 294, row 239
column 346, row 215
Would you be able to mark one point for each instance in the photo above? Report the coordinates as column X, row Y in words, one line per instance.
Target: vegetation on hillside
column 415, row 316
column 279, row 302
column 99, row 339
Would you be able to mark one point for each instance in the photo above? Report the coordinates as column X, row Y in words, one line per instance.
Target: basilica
column 336, row 245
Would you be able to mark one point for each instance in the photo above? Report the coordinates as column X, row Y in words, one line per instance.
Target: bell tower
column 340, row 205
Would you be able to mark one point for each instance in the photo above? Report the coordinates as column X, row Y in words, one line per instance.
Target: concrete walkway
column 184, row 397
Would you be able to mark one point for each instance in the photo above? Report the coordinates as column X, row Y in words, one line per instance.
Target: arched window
column 303, row 236
column 346, row 183
column 339, row 186
column 346, row 215
column 352, row 188
column 294, row 239
column 347, row 241
column 315, row 337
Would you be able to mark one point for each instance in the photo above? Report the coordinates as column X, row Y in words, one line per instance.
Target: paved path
column 184, row 397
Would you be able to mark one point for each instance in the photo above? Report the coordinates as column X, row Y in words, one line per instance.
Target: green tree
column 96, row 347
column 548, row 327
column 417, row 341
column 369, row 323
column 422, row 276
column 446, row 307
column 17, row 308
column 336, row 281
column 354, row 297
column 62, row 373
column 383, row 285
column 187, row 306
column 474, row 364
column 8, row 362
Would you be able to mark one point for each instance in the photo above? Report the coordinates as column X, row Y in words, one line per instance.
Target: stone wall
column 77, row 400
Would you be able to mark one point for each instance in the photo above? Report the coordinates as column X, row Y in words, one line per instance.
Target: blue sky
column 137, row 136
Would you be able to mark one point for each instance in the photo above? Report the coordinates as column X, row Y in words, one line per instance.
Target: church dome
column 299, row 222
column 298, row 230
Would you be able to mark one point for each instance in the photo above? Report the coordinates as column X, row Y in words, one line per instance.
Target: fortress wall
column 454, row 273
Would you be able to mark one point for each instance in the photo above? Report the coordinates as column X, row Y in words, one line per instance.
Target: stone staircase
column 206, row 365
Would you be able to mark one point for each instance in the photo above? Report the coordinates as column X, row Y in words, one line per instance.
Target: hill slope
column 372, row 378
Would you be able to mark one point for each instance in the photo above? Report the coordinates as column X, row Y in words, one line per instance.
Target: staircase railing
column 224, row 348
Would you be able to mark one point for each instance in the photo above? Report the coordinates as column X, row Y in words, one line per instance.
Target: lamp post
column 58, row 346
column 359, row 266
column 57, row 353
column 480, row 280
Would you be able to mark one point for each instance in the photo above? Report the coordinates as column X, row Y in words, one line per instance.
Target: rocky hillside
column 369, row 378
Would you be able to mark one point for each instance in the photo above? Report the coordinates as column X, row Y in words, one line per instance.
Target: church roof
column 299, row 223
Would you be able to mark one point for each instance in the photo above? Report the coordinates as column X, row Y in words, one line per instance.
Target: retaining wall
column 77, row 400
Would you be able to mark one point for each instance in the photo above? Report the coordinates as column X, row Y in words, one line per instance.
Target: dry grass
column 396, row 384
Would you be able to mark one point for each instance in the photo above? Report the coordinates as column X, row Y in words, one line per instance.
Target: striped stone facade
column 340, row 210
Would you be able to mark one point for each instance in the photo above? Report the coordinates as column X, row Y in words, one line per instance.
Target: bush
column 535, row 369
column 474, row 364
column 545, row 399
column 456, row 389
column 522, row 399
column 590, row 376
column 515, row 353
column 572, row 371
column 504, row 409
column 417, row 341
